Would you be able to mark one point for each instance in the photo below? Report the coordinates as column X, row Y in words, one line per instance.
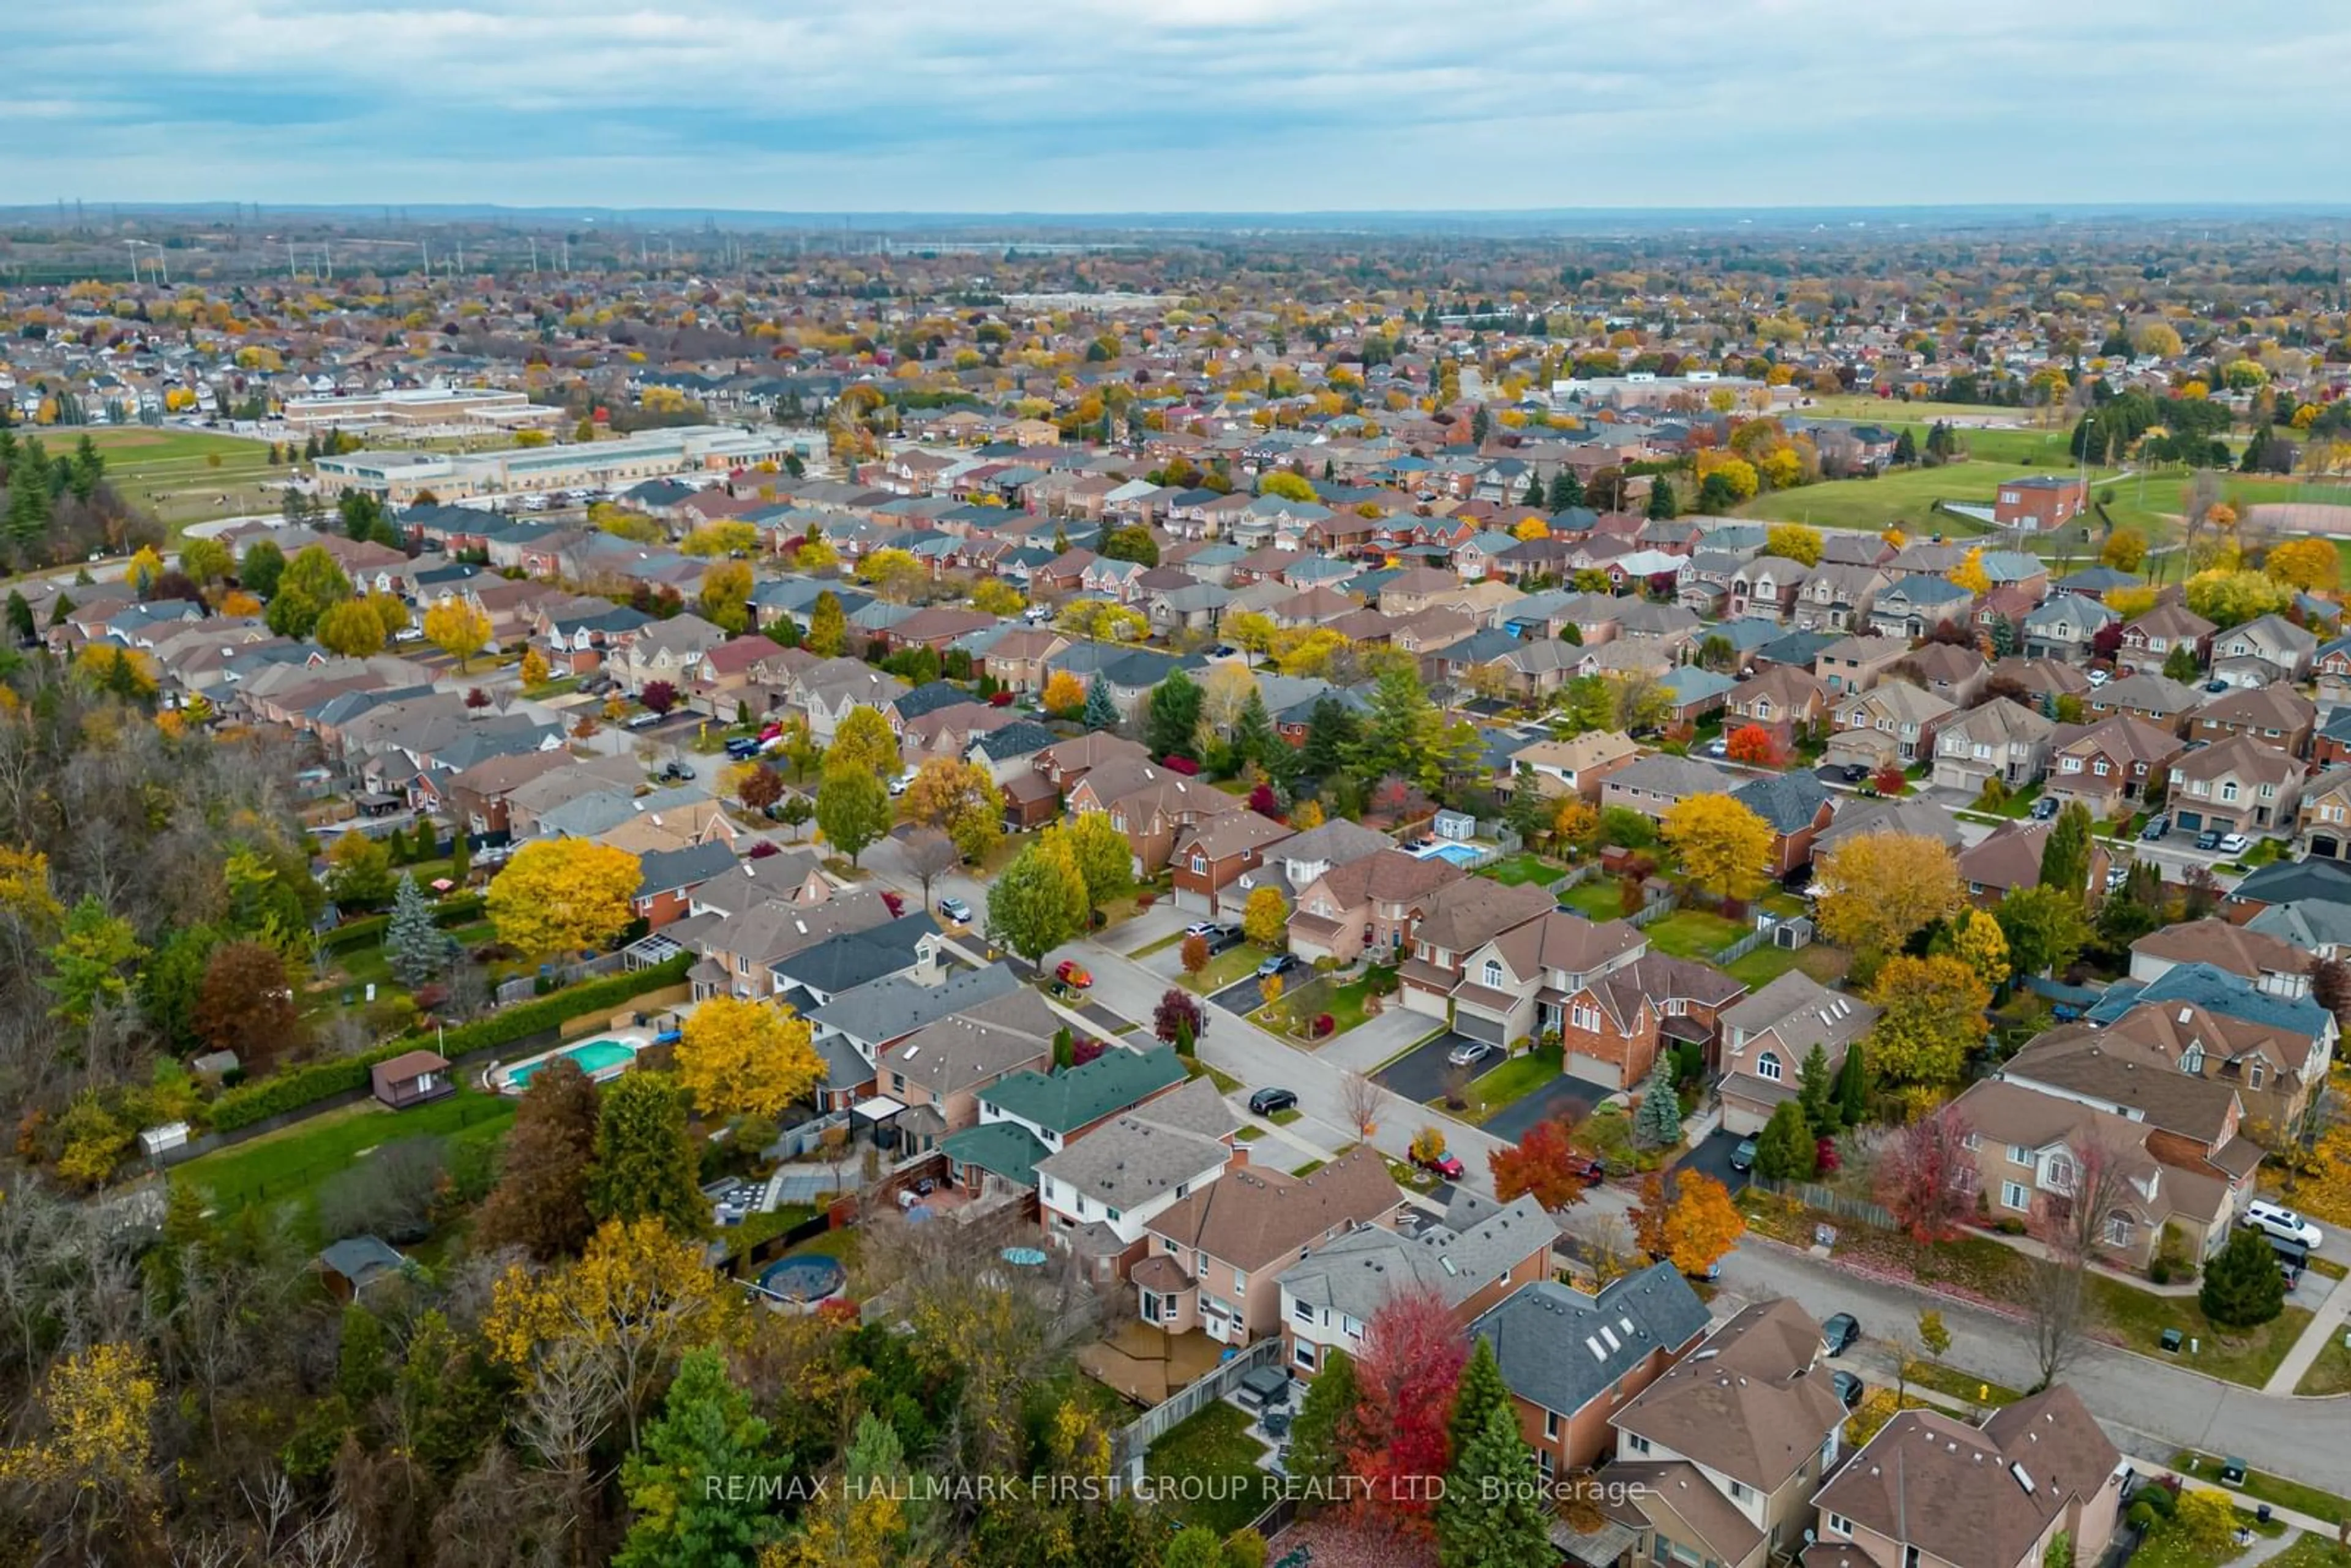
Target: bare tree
column 2084, row 1191
column 566, row 1412
column 930, row 854
column 1360, row 1100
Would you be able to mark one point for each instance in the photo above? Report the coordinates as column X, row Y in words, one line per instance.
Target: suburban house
column 2323, row 818
column 1517, row 985
column 1151, row 805
column 1213, row 855
column 2064, row 628
column 1766, row 1037
column 1097, row 1197
column 1572, row 1360
column 1614, row 1025
column 2146, row 694
column 1930, row 1488
column 2000, row 739
column 1470, row 1259
column 2009, row 857
column 1914, row 606
column 1838, row 597
column 2277, row 967
column 1723, row 1453
column 2152, row 638
column 2110, row 762
column 1576, row 767
column 1655, row 784
column 2194, row 1122
column 942, row 1070
column 1458, row 919
column 2277, row 716
column 1904, row 717
column 1856, row 664
column 1779, row 700
column 2239, row 785
column 1958, row 675
column 2268, row 648
column 1213, row 1258
column 1766, row 587
column 1368, row 905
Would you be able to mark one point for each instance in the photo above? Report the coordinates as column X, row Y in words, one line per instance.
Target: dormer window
column 2191, row 1060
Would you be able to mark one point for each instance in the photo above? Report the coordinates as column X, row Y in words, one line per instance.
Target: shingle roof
column 1753, row 1403
column 1561, row 1349
column 1064, row 1102
column 1356, row 1273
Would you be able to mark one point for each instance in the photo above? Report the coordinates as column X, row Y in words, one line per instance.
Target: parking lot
column 1419, row 1074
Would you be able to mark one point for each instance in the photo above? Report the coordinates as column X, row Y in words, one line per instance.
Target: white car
column 2235, row 845
column 2276, row 1219
column 898, row 785
column 2100, row 677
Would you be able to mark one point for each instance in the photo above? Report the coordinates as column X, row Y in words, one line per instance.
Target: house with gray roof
column 813, row 976
column 1329, row 1296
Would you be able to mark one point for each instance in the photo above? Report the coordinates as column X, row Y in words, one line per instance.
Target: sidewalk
column 2324, row 1324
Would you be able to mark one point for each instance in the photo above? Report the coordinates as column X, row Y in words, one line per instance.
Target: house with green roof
column 1002, row 1154
column 1057, row 1107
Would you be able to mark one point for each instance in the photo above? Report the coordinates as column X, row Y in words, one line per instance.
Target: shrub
column 1184, row 765
column 1324, row 1024
column 2010, row 1226
column 2140, row 1518
column 1001, row 699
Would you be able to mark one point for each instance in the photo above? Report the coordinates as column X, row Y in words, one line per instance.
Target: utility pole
column 534, row 255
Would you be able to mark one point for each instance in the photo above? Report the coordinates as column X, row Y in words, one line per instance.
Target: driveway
column 1570, row 1097
column 1243, row 997
column 1420, row 1076
column 1712, row 1158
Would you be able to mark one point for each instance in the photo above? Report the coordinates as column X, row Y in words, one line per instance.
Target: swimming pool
column 1463, row 855
column 802, row 1280
column 600, row 1059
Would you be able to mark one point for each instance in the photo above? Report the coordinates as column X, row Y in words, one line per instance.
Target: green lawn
column 2166, row 1547
column 1958, row 1384
column 1520, row 869
column 1905, row 496
column 2331, row 1372
column 1598, row 899
column 1308, row 1168
column 1212, row 1445
column 291, row 1164
column 1693, row 934
column 2136, row 1319
column 1250, row 1133
column 1148, row 948
column 2274, row 1490
column 1224, row 1081
column 182, row 476
column 2312, row 1550
column 1232, row 965
column 1508, row 1084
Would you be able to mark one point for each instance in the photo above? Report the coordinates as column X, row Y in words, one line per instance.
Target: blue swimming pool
column 1462, row 855
column 811, row 1277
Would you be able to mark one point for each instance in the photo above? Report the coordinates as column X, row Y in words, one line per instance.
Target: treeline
column 58, row 507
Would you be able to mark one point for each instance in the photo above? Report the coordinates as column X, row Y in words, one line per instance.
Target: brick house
column 1856, row 664
column 1766, row 1037
column 1517, row 985
column 1367, row 906
column 2109, row 763
column 1212, row 856
column 1612, row 1027
column 2276, row 716
column 2043, row 504
column 2010, row 858
column 1779, row 700
column 1472, row 1259
column 2242, row 785
column 1459, row 918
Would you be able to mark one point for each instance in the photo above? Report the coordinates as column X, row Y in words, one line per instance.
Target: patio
column 1147, row 1363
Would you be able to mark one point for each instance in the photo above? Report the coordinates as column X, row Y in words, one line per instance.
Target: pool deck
column 501, row 1077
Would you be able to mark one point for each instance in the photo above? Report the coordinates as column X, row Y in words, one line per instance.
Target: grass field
column 182, row 476
column 1904, row 497
column 290, row 1165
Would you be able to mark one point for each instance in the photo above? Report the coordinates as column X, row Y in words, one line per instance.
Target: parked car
column 2215, row 685
column 2210, row 839
column 1266, row 1101
column 1279, row 964
column 644, row 720
column 2156, row 827
column 957, row 910
column 1467, row 1053
column 1223, row 939
column 2045, row 808
column 1854, row 772
column 1839, row 1333
column 1449, row 1166
column 1070, row 972
column 1849, row 1388
column 2117, row 875
column 898, row 785
column 1588, row 1168
column 675, row 772
column 1742, row 1158
column 742, row 747
column 2276, row 1219
column 2099, row 678
column 1718, row 749
column 1201, row 928
column 2235, row 845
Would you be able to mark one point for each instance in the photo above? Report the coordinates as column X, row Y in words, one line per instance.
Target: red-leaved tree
column 1756, row 746
column 658, row 695
column 1176, row 1007
column 1414, row 1351
column 1925, row 1177
column 1542, row 1166
column 1890, row 780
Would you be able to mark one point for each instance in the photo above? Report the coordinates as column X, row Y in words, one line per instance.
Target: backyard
column 1517, row 870
column 289, row 1166
column 1212, row 1455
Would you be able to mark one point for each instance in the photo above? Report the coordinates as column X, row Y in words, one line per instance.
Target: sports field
column 182, row 476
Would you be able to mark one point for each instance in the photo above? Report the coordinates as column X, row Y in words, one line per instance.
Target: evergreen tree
column 1657, row 1124
column 1493, row 1513
column 416, row 949
column 1101, row 711
column 1906, row 449
column 2180, row 664
column 1853, row 1087
column 1482, row 424
column 20, row 617
column 1816, row 1093
column 461, row 858
column 1785, row 1151
column 1566, row 489
column 828, row 631
column 1171, row 719
column 2242, row 1286
column 1534, row 494
column 1255, row 738
column 706, row 1429
column 1325, row 1432
column 644, row 1165
column 2066, row 854
column 1664, row 504
column 1481, row 1392
column 1332, row 733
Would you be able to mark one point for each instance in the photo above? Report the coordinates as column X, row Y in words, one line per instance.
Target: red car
column 1449, row 1166
column 1072, row 972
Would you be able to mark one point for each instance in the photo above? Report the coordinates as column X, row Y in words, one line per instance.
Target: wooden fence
column 1134, row 1439
column 1657, row 909
column 1811, row 1195
column 1745, row 945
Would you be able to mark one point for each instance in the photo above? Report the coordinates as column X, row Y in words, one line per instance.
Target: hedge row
column 459, row 909
column 299, row 1086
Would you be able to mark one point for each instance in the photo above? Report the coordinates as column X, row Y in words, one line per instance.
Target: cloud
column 1226, row 105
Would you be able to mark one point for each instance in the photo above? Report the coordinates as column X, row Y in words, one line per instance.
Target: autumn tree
column 1414, row 1351
column 1926, row 1176
column 1037, row 902
column 864, row 743
column 2043, row 927
column 88, row 1458
column 91, row 961
column 1796, row 542
column 1194, row 954
column 1978, row 942
column 350, row 629
column 828, row 630
column 1755, row 746
column 1265, row 918
column 359, row 871
column 1064, row 695
column 2310, row 565
column 1877, row 890
column 1104, row 858
column 1178, row 1015
column 541, row 1201
column 853, row 808
column 1702, row 1226
column 1931, row 1015
column 1724, row 848
column 645, row 1167
column 724, row 595
column 741, row 1058
column 563, row 895
column 1543, row 1164
column 929, row 855
column 961, row 799
column 247, row 1005
column 1651, row 1206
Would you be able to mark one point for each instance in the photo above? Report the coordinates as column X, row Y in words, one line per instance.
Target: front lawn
column 1508, row 1084
column 1229, row 968
column 2167, row 1546
column 1224, row 1081
column 1214, row 1455
column 2331, row 1372
column 2262, row 1488
column 1526, row 866
column 2136, row 1320
column 289, row 1165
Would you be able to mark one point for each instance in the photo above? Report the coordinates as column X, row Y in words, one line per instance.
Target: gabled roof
column 1753, row 1403
column 1064, row 1102
column 1787, row 802
column 1251, row 1215
column 1560, row 1349
column 1356, row 1273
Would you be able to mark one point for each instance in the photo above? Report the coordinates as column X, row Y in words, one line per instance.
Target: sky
column 1107, row 106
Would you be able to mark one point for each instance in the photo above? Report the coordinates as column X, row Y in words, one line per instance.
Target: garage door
column 1592, row 1069
column 1493, row 1031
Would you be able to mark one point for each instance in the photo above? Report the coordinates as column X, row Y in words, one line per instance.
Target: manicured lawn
column 2166, row 1547
column 1524, row 867
column 1959, row 1385
column 185, row 475
column 1250, row 1133
column 2330, row 1374
column 291, row 1164
column 1283, row 1117
column 1213, row 1444
column 2272, row 1490
column 1148, row 948
column 1228, row 967
column 565, row 686
column 2136, row 1319
column 1596, row 900
column 2311, row 1550
column 1905, row 496
column 1766, row 964
column 1693, row 934
column 1510, row 1084
column 1308, row 1168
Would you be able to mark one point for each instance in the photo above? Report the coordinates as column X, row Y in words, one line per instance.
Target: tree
column 1796, row 542
column 1542, row 1164
column 1493, row 1513
column 929, row 854
column 1931, row 1015
column 1784, row 1149
column 2043, row 926
column 1177, row 1010
column 2065, row 852
column 706, row 1431
column 994, row 596
column 1816, row 1093
column 828, row 630
column 359, row 871
column 1037, row 902
column 351, row 629
column 1194, row 955
column 1969, row 573
column 1104, row 858
column 261, row 568
column 1657, row 1124
column 2230, row 598
column 2205, row 1522
column 1064, row 697
column 1327, row 1430
column 2243, row 1286
column 1101, row 709
column 1414, row 1351
column 1724, row 847
column 2180, row 664
column 1853, row 1086
column 1566, row 490
column 961, row 799
column 90, row 961
column 1265, row 918
column 864, row 743
column 1978, row 942
column 2124, row 550
column 645, row 1167
column 1287, row 486
column 1702, row 1225
column 2311, row 565
column 853, row 808
column 2071, row 1225
column 91, row 1464
column 532, row 672
column 895, row 574
column 1172, row 716
column 725, row 595
column 460, row 631
column 541, row 1201
column 563, row 895
column 1880, row 889
column 1360, row 1100
column 746, row 1059
column 247, row 1005
column 1754, row 745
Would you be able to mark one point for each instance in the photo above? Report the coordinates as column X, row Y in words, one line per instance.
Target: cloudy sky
column 1182, row 105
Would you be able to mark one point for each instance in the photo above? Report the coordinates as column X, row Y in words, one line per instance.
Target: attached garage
column 1492, row 1031
column 1592, row 1070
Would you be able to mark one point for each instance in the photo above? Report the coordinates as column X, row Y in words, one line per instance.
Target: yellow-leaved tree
column 1969, row 573
column 1982, row 947
column 460, row 631
column 563, row 895
column 961, row 799
column 2308, row 564
column 1265, row 919
column 1724, row 848
column 741, row 1058
column 1064, row 695
column 91, row 1453
column 1797, row 541
column 1880, row 889
column 863, row 743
